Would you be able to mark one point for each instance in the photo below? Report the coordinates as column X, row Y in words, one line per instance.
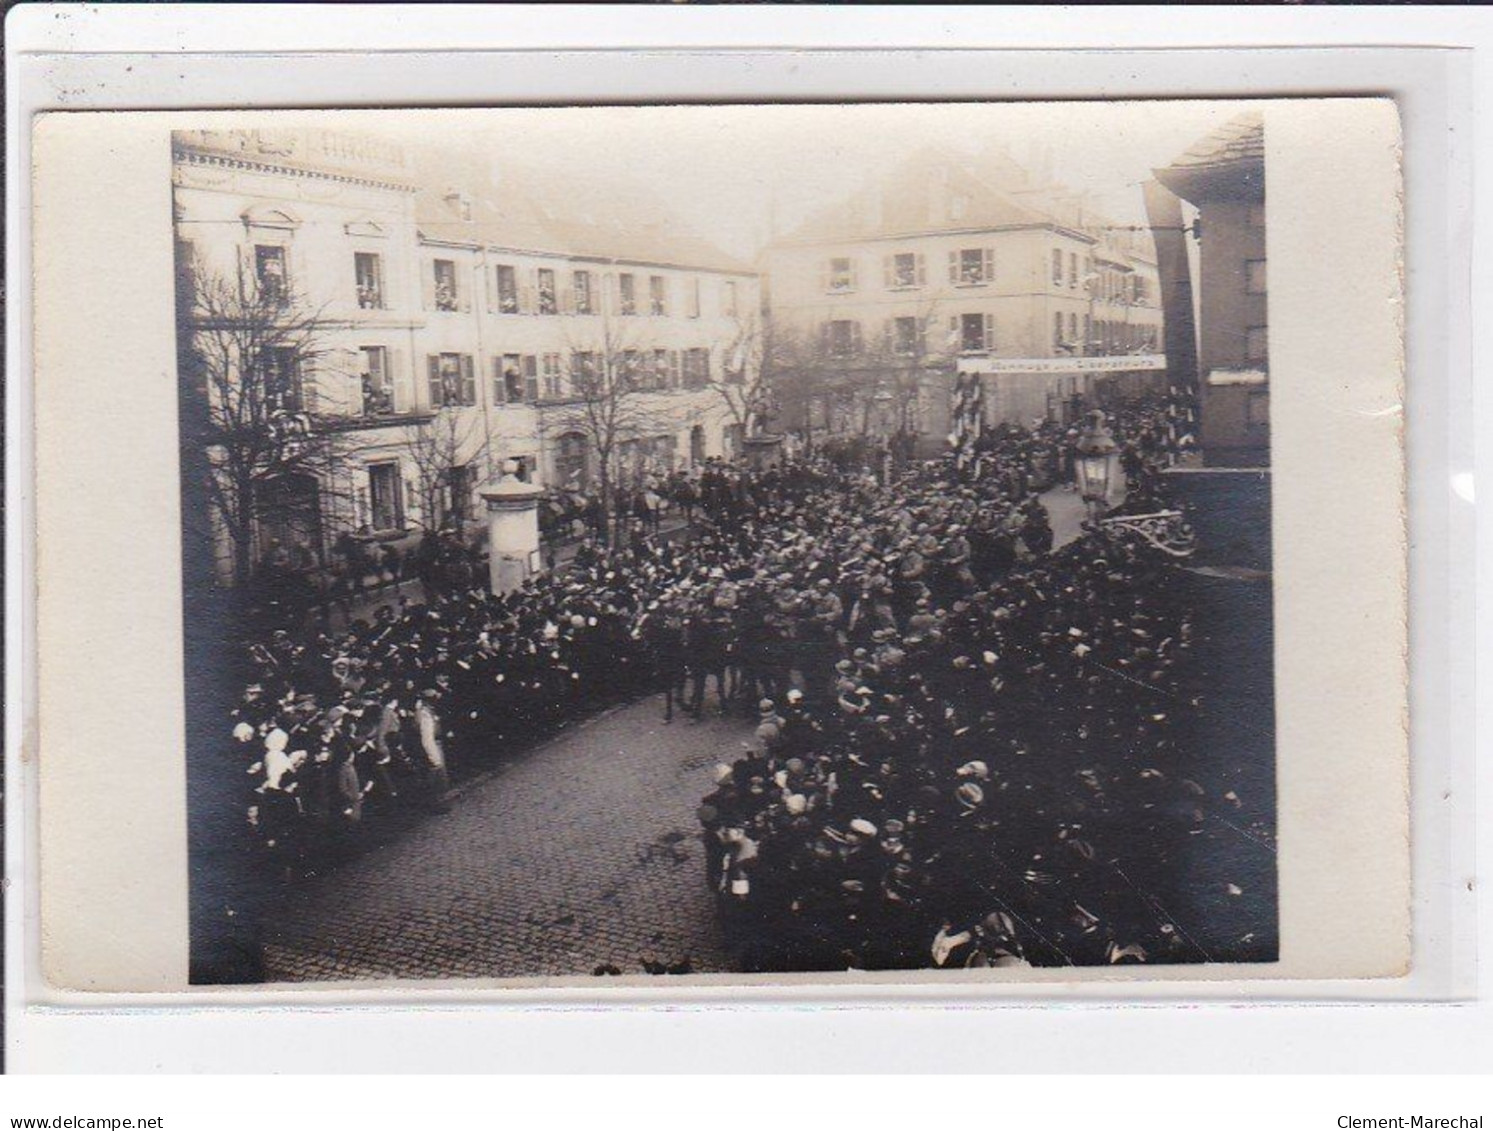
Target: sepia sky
column 733, row 173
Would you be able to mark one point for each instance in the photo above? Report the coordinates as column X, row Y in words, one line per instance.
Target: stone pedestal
column 512, row 531
column 763, row 450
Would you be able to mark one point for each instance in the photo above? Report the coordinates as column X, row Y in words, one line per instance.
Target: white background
column 1210, row 1038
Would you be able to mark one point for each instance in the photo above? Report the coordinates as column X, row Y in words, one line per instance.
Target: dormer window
column 460, row 203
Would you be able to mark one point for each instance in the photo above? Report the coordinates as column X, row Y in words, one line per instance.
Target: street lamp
column 1097, row 465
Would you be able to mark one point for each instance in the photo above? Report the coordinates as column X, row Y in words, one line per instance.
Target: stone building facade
column 950, row 258
column 451, row 315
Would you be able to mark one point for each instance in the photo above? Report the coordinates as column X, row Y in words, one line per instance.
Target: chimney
column 459, row 202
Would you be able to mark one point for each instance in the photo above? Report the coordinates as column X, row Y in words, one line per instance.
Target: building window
column 517, row 379
column 368, row 268
column 1257, row 410
column 584, row 302
column 729, row 299
column 584, row 372
column 694, row 298
column 658, row 296
column 1256, row 343
column 1088, row 330
column 904, row 270
column 627, row 294
column 972, row 266
column 445, row 284
column 1141, row 288
column 1254, row 276
column 660, row 369
column 696, row 368
column 904, row 336
column 269, row 272
column 451, row 380
column 279, row 372
column 1057, row 330
column 842, row 337
column 571, row 471
column 507, row 289
column 385, row 498
column 1073, row 269
column 552, row 374
column 549, row 301
column 378, row 384
column 1057, row 267
column 976, row 333
column 631, row 369
column 840, row 275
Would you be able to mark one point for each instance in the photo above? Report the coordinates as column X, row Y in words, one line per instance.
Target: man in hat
column 432, row 746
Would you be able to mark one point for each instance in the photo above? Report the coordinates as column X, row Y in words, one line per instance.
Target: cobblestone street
column 584, row 851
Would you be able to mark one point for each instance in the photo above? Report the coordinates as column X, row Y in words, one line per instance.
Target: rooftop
column 1241, row 139
column 526, row 205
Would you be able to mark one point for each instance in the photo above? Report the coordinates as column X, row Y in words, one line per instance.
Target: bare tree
column 439, row 449
column 614, row 398
column 249, row 350
column 745, row 386
column 901, row 357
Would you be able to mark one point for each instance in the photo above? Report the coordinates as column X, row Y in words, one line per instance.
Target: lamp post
column 1097, row 465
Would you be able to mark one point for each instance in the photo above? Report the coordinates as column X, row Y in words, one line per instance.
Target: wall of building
column 323, row 222
column 1235, row 417
column 1045, row 298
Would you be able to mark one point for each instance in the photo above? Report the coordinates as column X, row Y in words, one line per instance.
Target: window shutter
column 499, row 393
column 990, row 331
column 427, row 283
column 922, row 272
column 854, row 269
column 490, row 288
column 531, row 378
column 888, row 277
column 468, row 380
column 433, row 365
column 888, row 335
column 463, row 288
column 953, row 267
column 394, row 379
column 988, row 258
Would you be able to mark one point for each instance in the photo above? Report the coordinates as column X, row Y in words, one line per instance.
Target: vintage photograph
column 748, row 540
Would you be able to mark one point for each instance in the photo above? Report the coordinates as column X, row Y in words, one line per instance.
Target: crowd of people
column 950, row 715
